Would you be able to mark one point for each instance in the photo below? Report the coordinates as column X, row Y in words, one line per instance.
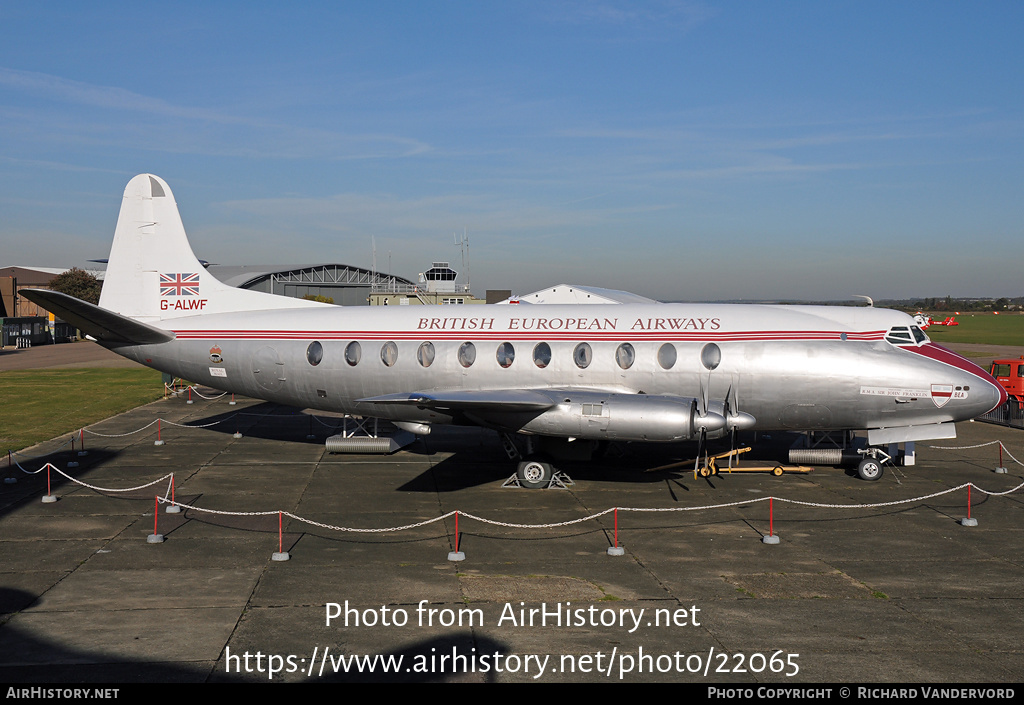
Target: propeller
column 728, row 405
column 734, row 418
column 704, row 420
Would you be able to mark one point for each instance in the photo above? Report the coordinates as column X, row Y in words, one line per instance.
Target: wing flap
column 97, row 322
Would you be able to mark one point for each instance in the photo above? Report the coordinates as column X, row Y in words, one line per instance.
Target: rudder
column 152, row 273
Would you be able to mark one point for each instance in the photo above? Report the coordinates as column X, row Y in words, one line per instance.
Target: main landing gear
column 534, row 474
column 534, row 470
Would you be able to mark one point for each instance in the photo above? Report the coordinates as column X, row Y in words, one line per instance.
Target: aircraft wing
column 507, row 400
column 97, row 322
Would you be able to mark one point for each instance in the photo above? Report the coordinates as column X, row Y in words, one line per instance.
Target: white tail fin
column 152, row 273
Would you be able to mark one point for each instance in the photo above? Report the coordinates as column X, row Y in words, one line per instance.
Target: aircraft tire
column 869, row 469
column 777, row 471
column 534, row 474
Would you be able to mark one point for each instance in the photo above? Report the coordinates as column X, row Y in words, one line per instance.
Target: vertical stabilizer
column 152, row 273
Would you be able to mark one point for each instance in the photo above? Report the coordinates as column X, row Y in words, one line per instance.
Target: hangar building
column 346, row 284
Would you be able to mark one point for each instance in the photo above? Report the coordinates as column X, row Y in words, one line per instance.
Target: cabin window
column 625, row 356
column 315, row 353
column 353, row 352
column 389, row 353
column 467, row 354
column 506, row 354
column 667, row 356
column 425, row 354
column 582, row 355
column 710, row 356
column 542, row 355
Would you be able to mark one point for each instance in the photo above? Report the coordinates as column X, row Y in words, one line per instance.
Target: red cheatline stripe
column 941, row 354
column 521, row 335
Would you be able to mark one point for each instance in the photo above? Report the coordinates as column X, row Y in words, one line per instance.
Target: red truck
column 1010, row 374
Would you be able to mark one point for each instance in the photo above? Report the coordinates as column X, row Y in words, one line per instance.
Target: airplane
column 653, row 372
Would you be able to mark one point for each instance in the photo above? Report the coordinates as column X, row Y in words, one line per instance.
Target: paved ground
column 901, row 593
column 83, row 353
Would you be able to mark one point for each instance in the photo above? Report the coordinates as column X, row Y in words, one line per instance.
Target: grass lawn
column 37, row 405
column 985, row 328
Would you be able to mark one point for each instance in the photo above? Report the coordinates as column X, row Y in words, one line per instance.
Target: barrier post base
column 155, row 538
column 773, row 539
column 616, row 551
column 968, row 521
column 456, row 556
column 280, row 556
column 49, row 499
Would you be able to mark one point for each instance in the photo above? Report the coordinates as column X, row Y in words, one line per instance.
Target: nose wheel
column 870, row 467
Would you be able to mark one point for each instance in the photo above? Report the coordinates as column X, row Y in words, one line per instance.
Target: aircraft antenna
column 871, row 303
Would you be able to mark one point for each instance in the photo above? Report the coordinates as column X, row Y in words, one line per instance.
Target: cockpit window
column 899, row 335
column 906, row 335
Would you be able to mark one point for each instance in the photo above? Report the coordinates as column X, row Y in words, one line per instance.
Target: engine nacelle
column 626, row 417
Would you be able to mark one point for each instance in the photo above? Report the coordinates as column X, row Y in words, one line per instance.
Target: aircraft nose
column 990, row 393
column 981, row 393
column 984, row 392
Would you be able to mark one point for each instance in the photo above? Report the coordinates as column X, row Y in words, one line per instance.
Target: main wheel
column 534, row 474
column 869, row 469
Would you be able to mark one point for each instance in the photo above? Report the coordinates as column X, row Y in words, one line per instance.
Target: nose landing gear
column 871, row 465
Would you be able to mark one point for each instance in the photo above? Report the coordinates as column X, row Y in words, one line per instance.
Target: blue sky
column 681, row 150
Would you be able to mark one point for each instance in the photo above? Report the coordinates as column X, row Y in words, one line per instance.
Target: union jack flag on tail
column 184, row 284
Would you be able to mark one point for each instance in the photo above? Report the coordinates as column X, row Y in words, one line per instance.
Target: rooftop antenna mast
column 463, row 243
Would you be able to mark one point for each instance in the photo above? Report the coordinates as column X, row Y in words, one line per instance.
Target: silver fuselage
column 789, row 367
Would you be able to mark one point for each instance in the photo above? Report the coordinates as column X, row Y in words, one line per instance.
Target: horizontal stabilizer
column 509, row 400
column 97, row 322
